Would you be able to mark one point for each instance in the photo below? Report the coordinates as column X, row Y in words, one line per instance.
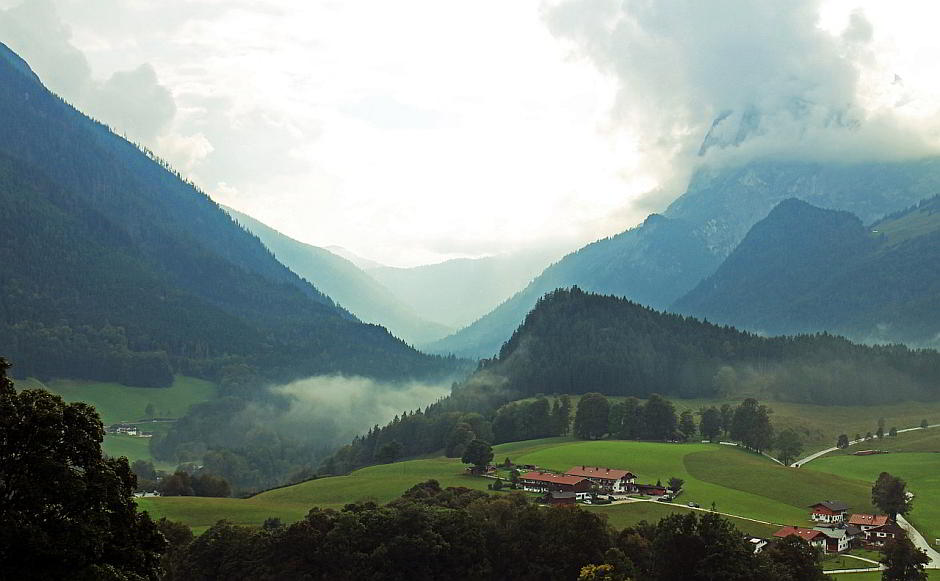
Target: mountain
column 661, row 260
column 805, row 269
column 459, row 291
column 112, row 267
column 345, row 283
column 363, row 263
column 576, row 342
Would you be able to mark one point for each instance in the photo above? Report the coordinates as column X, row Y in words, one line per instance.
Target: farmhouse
column 561, row 497
column 886, row 532
column 868, row 521
column 607, row 479
column 549, row 482
column 839, row 538
column 812, row 536
column 829, row 511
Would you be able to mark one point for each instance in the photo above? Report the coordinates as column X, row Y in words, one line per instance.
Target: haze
column 412, row 132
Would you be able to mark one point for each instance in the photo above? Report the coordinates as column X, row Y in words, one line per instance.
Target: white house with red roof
column 607, row 479
column 815, row 538
column 829, row 511
column 868, row 521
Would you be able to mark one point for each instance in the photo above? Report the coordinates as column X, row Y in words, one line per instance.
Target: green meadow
column 737, row 482
column 921, row 470
column 914, row 441
column 932, row 574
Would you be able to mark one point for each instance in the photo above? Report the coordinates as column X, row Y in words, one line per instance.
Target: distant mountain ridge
column 661, row 260
column 345, row 283
column 115, row 268
column 806, row 269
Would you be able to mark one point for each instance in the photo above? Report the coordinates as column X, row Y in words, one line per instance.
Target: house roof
column 805, row 534
column 833, row 532
column 869, row 520
column 600, row 473
column 889, row 528
column 852, row 530
column 549, row 477
column 833, row 505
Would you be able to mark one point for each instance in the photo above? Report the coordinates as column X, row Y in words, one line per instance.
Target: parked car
column 663, row 499
column 694, row 505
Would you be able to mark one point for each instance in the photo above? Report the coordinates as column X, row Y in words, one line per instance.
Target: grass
column 933, row 574
column 117, row 403
column 914, row 441
column 921, row 470
column 625, row 515
column 737, row 482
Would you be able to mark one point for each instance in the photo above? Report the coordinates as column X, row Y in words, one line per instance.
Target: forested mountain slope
column 576, row 342
column 345, row 283
column 115, row 268
column 807, row 269
column 658, row 262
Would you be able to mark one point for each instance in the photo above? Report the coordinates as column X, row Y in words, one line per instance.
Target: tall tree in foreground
column 904, row 561
column 890, row 495
column 591, row 420
column 794, row 559
column 66, row 512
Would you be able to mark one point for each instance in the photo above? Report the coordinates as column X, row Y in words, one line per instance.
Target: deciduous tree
column 789, row 445
column 890, row 495
column 903, row 561
column 592, row 416
column 479, row 453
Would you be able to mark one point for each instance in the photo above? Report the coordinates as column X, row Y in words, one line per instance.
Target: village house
column 650, row 489
column 868, row 521
column 839, row 537
column 886, row 532
column 609, row 480
column 126, row 429
column 829, row 511
column 815, row 538
column 554, row 498
column 549, row 482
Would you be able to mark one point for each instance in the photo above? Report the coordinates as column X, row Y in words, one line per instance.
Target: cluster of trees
column 575, row 342
column 528, row 420
column 456, row 533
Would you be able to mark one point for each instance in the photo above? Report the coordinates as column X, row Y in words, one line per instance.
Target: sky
column 411, row 132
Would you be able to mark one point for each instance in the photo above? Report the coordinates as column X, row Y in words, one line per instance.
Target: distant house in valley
column 550, row 482
column 840, row 537
column 868, row 521
column 121, row 428
column 757, row 544
column 829, row 511
column 886, row 532
column 815, row 538
column 610, row 480
column 561, row 498
column 650, row 489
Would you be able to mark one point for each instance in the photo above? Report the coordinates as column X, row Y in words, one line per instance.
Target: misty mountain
column 459, row 291
column 661, row 260
column 345, row 283
column 805, row 269
column 112, row 267
column 363, row 263
column 576, row 342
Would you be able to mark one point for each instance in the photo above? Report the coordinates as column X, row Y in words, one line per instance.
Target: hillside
column 575, row 342
column 459, row 291
column 666, row 257
column 345, row 283
column 116, row 269
column 806, row 269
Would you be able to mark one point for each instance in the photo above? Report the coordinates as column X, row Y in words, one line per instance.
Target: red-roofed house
column 812, row 536
column 829, row 511
column 868, row 521
column 549, row 482
column 607, row 479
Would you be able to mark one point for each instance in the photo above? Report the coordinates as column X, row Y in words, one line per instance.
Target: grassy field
column 767, row 491
column 914, row 441
column 737, row 482
column 933, row 574
column 820, row 425
column 118, row 403
column 921, row 470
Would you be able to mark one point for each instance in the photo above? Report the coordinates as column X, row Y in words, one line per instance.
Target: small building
column 757, row 544
column 812, row 536
column 886, row 532
column 829, row 511
column 868, row 521
column 550, row 482
column 610, row 480
column 650, row 489
column 838, row 538
column 554, row 498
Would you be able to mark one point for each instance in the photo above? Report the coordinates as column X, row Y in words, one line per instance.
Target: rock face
column 667, row 256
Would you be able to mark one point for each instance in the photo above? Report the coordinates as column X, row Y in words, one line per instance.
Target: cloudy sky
column 414, row 131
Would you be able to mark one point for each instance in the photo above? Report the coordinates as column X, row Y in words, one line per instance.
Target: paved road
column 921, row 542
column 815, row 455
